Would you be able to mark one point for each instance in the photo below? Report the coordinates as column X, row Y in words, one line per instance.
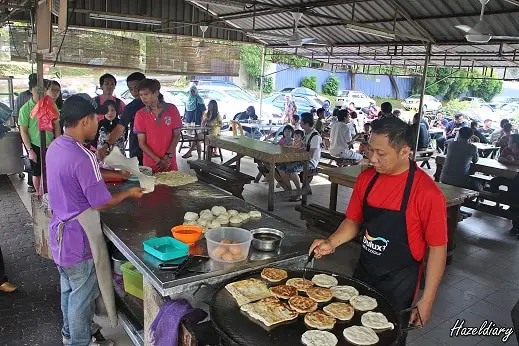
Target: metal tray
column 237, row 328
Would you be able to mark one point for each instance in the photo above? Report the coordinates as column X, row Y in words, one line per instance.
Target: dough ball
column 232, row 212
column 235, row 250
column 214, row 224
column 190, row 216
column 217, row 210
column 219, row 251
column 256, row 215
column 207, row 217
column 244, row 216
column 223, row 216
column 235, row 221
column 223, row 221
column 227, row 256
column 202, row 222
column 225, row 241
column 206, row 212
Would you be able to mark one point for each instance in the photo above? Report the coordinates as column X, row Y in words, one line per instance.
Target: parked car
column 477, row 101
column 66, row 93
column 431, row 104
column 304, row 92
column 177, row 100
column 358, row 98
column 499, row 101
column 508, row 110
column 232, row 101
column 222, row 84
column 303, row 103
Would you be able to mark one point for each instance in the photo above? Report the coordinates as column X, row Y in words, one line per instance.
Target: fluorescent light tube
column 134, row 20
column 370, row 31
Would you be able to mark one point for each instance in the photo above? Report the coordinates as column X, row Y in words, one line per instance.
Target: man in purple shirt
column 75, row 184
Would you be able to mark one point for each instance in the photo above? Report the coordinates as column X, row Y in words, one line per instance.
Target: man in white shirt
column 340, row 138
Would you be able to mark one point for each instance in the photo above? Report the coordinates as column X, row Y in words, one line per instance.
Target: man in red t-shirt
column 401, row 212
column 157, row 126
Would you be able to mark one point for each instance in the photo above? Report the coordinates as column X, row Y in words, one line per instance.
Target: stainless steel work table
column 135, row 221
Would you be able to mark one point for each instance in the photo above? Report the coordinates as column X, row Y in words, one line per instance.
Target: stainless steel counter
column 135, row 221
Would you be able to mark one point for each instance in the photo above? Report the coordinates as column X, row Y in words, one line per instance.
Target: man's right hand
column 32, row 155
column 322, row 247
column 135, row 192
column 102, row 152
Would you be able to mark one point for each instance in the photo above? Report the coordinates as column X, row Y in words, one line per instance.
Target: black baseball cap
column 78, row 106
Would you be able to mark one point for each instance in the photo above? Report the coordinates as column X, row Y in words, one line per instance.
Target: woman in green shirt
column 31, row 133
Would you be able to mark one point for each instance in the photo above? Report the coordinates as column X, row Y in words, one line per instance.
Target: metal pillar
column 262, row 79
column 422, row 93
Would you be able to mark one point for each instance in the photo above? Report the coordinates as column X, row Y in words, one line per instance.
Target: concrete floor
column 481, row 284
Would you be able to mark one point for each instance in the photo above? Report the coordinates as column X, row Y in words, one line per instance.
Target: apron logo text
column 368, row 243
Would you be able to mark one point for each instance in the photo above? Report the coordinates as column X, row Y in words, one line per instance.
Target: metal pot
column 266, row 239
column 118, row 260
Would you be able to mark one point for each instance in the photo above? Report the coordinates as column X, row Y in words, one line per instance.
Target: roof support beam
column 448, row 16
column 411, row 21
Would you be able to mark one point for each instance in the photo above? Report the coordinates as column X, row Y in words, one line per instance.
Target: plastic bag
column 46, row 112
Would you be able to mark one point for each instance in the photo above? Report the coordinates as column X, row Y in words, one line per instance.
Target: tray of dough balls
column 276, row 306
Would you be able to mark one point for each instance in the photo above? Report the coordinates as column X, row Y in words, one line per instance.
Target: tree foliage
column 290, row 60
column 331, row 87
column 250, row 56
column 310, row 83
column 451, row 84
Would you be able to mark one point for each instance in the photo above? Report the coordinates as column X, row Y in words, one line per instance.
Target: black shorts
column 36, row 166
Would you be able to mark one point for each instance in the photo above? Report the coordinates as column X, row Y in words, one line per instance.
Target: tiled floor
column 481, row 284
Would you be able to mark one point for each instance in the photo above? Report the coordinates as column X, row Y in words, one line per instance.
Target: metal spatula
column 310, row 258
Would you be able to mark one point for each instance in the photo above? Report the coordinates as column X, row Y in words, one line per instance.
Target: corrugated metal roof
column 432, row 20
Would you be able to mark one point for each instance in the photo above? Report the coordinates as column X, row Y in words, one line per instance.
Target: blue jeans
column 79, row 290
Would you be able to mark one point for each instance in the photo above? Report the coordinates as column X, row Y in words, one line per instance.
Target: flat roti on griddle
column 319, row 320
column 319, row 294
column 300, row 283
column 302, row 304
column 376, row 321
column 270, row 311
column 247, row 291
column 360, row 335
column 325, row 280
column 274, row 274
column 344, row 293
column 318, row 338
column 341, row 311
column 363, row 303
column 284, row 291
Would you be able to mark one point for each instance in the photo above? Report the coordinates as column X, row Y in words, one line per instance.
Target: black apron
column 386, row 262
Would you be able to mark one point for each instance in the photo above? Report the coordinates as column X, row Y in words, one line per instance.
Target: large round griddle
column 237, row 328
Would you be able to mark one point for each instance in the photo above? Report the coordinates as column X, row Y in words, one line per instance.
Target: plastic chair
column 235, row 125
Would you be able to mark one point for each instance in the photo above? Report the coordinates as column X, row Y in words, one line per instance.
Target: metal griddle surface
column 238, row 328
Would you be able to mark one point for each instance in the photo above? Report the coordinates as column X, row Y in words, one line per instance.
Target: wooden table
column 484, row 165
column 454, row 196
column 195, row 138
column 486, row 150
column 263, row 151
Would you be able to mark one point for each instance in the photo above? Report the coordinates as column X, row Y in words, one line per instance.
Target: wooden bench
column 340, row 162
column 424, row 156
column 320, row 219
column 493, row 203
column 224, row 177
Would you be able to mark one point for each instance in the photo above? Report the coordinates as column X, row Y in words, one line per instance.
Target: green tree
column 250, row 56
column 331, row 87
column 310, row 83
column 485, row 88
column 290, row 60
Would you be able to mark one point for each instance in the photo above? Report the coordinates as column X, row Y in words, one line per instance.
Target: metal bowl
column 266, row 239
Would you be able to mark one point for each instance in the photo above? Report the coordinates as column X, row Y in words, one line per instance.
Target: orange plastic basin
column 188, row 234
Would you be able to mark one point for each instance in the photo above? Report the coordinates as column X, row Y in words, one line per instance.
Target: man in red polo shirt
column 157, row 126
column 401, row 212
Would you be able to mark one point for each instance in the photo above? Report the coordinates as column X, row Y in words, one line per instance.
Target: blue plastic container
column 166, row 248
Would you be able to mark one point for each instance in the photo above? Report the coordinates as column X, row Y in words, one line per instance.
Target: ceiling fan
column 295, row 40
column 481, row 33
column 202, row 45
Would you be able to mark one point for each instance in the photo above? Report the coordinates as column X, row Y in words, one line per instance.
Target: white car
column 124, row 94
column 358, row 98
column 232, row 101
column 430, row 103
